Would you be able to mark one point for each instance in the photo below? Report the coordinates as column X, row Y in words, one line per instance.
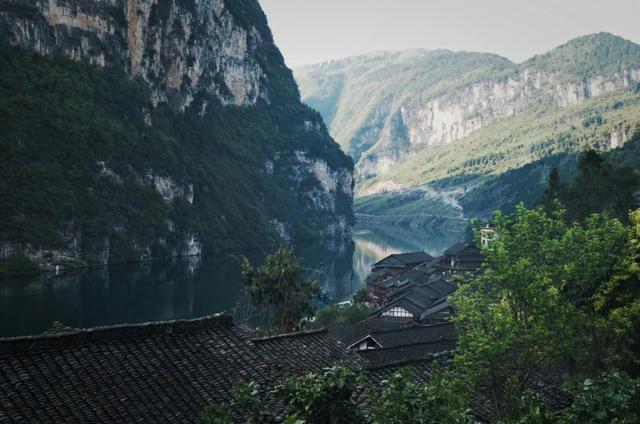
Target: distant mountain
column 132, row 129
column 432, row 131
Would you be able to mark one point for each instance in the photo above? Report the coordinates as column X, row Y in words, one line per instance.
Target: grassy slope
column 482, row 165
column 508, row 161
column 356, row 95
column 512, row 142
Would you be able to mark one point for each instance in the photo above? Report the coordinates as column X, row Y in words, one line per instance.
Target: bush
column 18, row 265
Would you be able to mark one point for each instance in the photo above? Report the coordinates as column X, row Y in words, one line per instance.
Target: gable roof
column 166, row 372
column 348, row 334
column 160, row 372
column 418, row 298
column 416, row 333
column 414, row 337
column 403, row 259
column 463, row 249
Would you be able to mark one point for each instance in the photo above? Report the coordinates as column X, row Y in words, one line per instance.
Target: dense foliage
column 371, row 103
column 402, row 401
column 83, row 134
column 539, row 304
column 341, row 314
column 334, row 397
column 280, row 290
column 598, row 186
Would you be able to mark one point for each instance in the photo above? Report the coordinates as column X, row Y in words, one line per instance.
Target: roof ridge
column 439, row 339
column 105, row 333
column 429, row 357
column 289, row 335
column 411, row 327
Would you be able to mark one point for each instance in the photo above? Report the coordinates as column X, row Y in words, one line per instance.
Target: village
column 181, row 366
column 409, row 293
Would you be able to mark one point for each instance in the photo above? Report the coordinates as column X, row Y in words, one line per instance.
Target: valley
column 433, row 131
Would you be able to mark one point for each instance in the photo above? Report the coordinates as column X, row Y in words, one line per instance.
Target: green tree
column 361, row 295
column 245, row 397
column 599, row 186
column 323, row 399
column 512, row 320
column 281, row 290
column 618, row 306
column 443, row 400
column 345, row 314
column 612, row 398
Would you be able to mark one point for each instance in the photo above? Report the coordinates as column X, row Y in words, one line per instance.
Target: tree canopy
column 281, row 290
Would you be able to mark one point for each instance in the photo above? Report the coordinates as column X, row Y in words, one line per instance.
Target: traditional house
column 463, row 257
column 402, row 261
column 395, row 272
column 168, row 372
column 410, row 304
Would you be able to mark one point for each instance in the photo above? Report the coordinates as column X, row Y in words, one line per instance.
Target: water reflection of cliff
column 330, row 263
column 192, row 287
column 160, row 290
column 375, row 243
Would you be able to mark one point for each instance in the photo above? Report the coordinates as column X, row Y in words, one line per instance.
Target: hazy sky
column 312, row 31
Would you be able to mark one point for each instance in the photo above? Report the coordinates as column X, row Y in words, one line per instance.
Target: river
column 180, row 288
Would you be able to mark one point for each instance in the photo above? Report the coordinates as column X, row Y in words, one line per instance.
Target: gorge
column 461, row 134
column 153, row 129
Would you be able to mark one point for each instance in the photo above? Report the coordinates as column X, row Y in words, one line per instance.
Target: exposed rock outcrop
column 218, row 153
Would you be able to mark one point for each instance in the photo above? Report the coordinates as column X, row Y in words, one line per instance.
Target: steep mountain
column 132, row 129
column 433, row 131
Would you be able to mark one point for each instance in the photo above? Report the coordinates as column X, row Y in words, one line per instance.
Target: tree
column 343, row 314
column 618, row 304
column 323, row 399
column 512, row 320
column 554, row 190
column 361, row 295
column 610, row 398
column 280, row 288
column 599, row 186
column 245, row 397
column 442, row 400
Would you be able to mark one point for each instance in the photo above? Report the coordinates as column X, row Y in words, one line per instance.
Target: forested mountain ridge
column 138, row 129
column 431, row 128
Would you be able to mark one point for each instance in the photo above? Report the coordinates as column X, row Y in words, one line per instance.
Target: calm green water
column 191, row 287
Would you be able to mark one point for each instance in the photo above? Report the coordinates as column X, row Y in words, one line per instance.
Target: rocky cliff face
column 211, row 130
column 430, row 131
column 177, row 48
column 456, row 114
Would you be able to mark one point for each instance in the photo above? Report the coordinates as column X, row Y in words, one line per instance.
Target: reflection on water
column 191, row 287
column 373, row 244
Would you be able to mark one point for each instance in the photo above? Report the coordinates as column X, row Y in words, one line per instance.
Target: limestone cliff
column 437, row 124
column 207, row 146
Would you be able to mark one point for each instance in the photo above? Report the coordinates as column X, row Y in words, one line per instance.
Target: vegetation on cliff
column 82, row 147
column 481, row 135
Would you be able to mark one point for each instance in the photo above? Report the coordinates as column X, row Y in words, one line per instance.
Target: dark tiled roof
column 440, row 310
column 391, row 355
column 416, row 333
column 156, row 373
column 351, row 333
column 463, row 249
column 294, row 353
column 404, row 259
column 419, row 298
column 403, row 342
column 167, row 372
